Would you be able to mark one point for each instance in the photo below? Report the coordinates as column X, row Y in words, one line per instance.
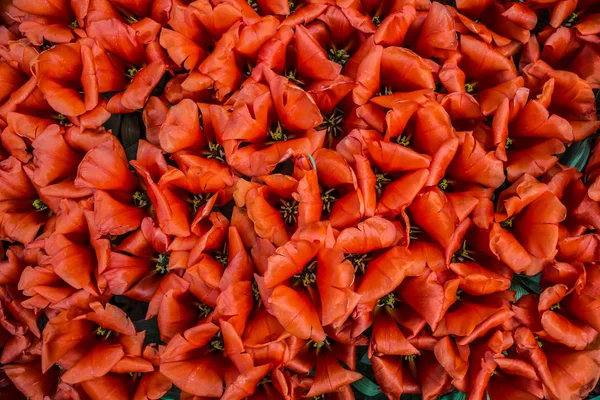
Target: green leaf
column 455, row 395
column 151, row 328
column 366, row 387
column 530, row 283
column 173, row 394
column 519, row 288
column 365, row 359
column 577, row 155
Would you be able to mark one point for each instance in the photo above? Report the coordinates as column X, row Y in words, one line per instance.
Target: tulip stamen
column 508, row 144
column 198, row 200
column 333, row 123
column 403, row 140
column 141, row 199
column 443, row 184
column 463, row 254
column 222, row 256
column 376, row 20
column 217, row 342
column 507, row 223
column 278, row 135
column 215, row 152
column 389, row 300
column 289, row 211
column 47, row 45
column 385, row 91
column 414, row 232
column 458, row 295
column 470, row 87
column 411, row 357
column 253, row 4
column 329, row 197
column 359, row 261
column 307, row 276
column 204, row 310
column 555, row 307
column 103, row 333
column 291, row 6
column 130, row 19
column 74, row 24
column 256, row 291
column 380, row 181
column 291, row 76
column 318, row 345
column 62, row 120
column 264, row 381
column 131, row 72
column 39, row 205
column 162, row 263
column 570, row 20
column 340, row 56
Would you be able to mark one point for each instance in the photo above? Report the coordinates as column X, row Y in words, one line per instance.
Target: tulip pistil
column 359, row 261
column 508, row 144
column 339, row 56
column 204, row 310
column 103, row 333
column 463, row 254
column 570, row 20
column 141, row 199
column 216, row 152
column 62, row 120
column 329, row 197
column 255, row 291
column 507, row 223
column 39, row 205
column 403, row 140
column 443, row 184
column 307, row 276
column 131, row 72
column 74, row 24
column 333, row 123
column 278, row 135
column 217, row 342
column 470, row 87
column 162, row 263
column 555, row 307
column 291, row 76
column 289, row 211
column 376, row 20
column 388, row 300
column 380, row 181
column 253, row 4
column 222, row 256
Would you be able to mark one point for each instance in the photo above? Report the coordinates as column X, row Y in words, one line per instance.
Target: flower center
column 62, row 120
column 414, row 232
column 253, row 4
column 131, row 72
column 217, row 342
column 141, row 199
column 307, row 276
column 470, row 87
column 508, row 144
column 555, row 307
column 329, row 197
column 222, row 256
column 462, row 254
column 412, row 357
column 376, row 20
column 39, row 205
column 289, row 211
column 255, row 291
column 339, row 56
column 162, row 263
column 388, row 300
column 380, row 181
column 74, row 24
column 507, row 223
column 215, row 152
column 333, row 123
column 277, row 134
column 359, row 261
column 204, row 310
column 403, row 140
column 103, row 333
column 291, row 76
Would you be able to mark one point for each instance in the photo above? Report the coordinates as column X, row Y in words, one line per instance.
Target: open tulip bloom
column 279, row 200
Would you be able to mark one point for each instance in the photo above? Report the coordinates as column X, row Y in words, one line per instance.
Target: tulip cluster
column 266, row 199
